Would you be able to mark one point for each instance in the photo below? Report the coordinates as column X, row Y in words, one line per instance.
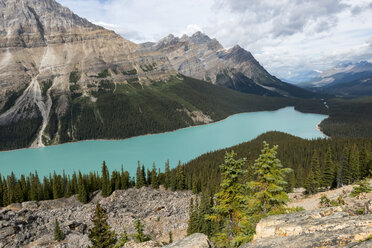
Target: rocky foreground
column 31, row 224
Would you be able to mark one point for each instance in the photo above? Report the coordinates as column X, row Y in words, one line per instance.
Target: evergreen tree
column 140, row 235
column 106, row 184
column 310, row 182
column 167, row 175
column 124, row 176
column 57, row 186
column 58, row 233
column 83, row 195
column 328, row 173
column 268, row 187
column 101, row 235
column 354, row 160
column 36, row 189
column 154, row 178
column 316, row 169
column 123, row 239
column 140, row 176
column 230, row 201
column 193, row 218
column 180, row 177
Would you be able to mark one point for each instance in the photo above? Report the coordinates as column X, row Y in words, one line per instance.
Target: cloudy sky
column 288, row 37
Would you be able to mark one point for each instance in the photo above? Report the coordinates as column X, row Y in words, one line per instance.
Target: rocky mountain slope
column 47, row 54
column 350, row 79
column 204, row 58
column 65, row 79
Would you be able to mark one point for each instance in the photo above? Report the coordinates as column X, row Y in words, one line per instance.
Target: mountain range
column 345, row 79
column 63, row 79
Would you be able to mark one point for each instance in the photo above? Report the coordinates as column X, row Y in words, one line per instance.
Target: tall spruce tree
column 269, row 194
column 167, row 175
column 101, row 235
column 315, row 166
column 140, row 177
column 106, row 183
column 83, row 194
column 328, row 173
column 230, row 201
column 154, row 178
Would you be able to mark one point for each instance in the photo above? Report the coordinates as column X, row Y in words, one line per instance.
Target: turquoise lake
column 180, row 145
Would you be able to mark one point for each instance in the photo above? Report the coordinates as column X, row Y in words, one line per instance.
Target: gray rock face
column 204, row 58
column 329, row 227
column 196, row 240
column 32, row 224
column 42, row 41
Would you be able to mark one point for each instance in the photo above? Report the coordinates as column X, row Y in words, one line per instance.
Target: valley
column 125, row 139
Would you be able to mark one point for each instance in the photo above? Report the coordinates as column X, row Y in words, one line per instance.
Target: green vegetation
column 19, row 134
column 245, row 195
column 130, row 72
column 349, row 118
column 203, row 174
column 140, row 236
column 101, row 234
column 74, row 77
column 58, row 233
column 104, row 74
column 45, row 85
column 148, row 67
column 123, row 239
column 363, row 187
column 12, row 97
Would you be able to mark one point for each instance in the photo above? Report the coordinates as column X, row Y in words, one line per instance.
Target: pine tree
column 315, row 166
column 167, row 175
column 124, row 177
column 328, row 173
column 354, row 160
column 230, row 201
column 154, row 178
column 57, row 186
column 123, row 239
column 193, row 218
column 106, row 184
column 140, row 235
column 101, row 235
column 310, row 182
column 140, row 177
column 83, row 195
column 180, row 177
column 58, row 233
column 269, row 192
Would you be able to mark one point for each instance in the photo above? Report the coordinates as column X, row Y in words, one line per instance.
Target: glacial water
column 180, row 145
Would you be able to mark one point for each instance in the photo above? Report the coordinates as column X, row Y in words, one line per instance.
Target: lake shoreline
column 148, row 134
column 320, row 130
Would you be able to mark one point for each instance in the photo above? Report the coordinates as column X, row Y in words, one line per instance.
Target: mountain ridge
column 204, row 58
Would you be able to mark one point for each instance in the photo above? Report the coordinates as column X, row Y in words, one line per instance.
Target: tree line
column 316, row 165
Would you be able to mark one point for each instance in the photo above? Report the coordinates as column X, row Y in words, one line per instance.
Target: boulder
column 196, row 240
column 329, row 227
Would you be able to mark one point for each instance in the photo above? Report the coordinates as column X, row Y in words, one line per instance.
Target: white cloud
column 286, row 36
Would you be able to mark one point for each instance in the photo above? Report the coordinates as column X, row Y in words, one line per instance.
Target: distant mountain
column 301, row 76
column 347, row 79
column 206, row 59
